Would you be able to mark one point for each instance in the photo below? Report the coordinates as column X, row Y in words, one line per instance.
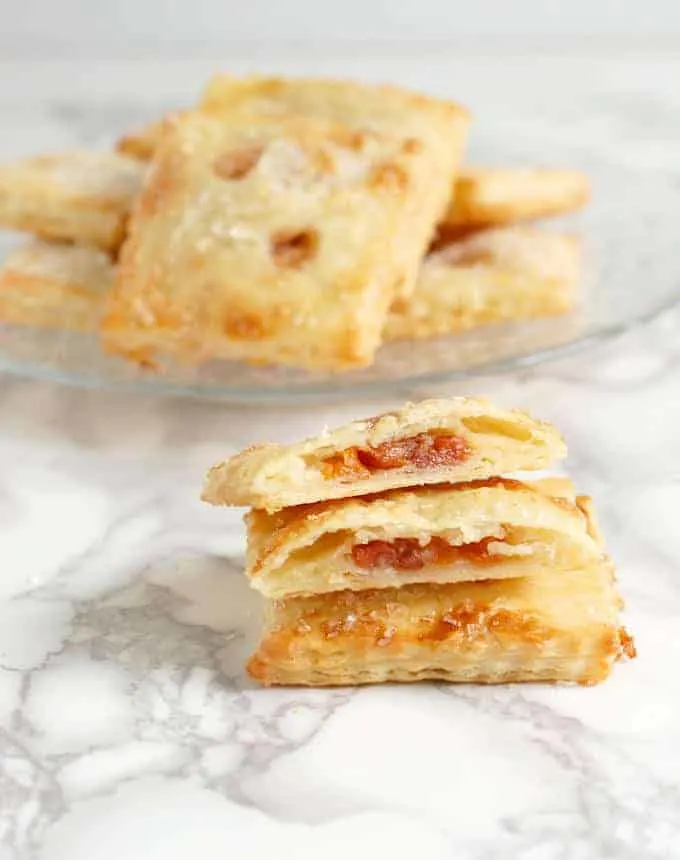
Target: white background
column 93, row 27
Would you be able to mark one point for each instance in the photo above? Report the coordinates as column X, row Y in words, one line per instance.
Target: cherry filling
column 424, row 451
column 408, row 554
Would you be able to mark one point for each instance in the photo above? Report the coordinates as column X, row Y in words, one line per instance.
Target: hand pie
column 559, row 628
column 433, row 130
column 54, row 286
column 488, row 197
column 266, row 240
column 79, row 196
column 431, row 442
column 491, row 529
column 497, row 275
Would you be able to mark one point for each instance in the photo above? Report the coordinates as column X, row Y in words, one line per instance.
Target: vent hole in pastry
column 412, row 146
column 292, row 249
column 388, row 177
column 488, row 426
column 243, row 326
column 237, row 163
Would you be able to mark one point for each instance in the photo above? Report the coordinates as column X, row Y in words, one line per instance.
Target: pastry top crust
column 263, row 231
column 520, row 248
column 500, row 274
column 274, row 476
column 373, row 107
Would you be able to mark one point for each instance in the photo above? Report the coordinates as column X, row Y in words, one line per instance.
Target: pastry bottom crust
column 586, row 670
column 533, row 629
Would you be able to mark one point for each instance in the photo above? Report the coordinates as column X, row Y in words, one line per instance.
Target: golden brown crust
column 54, row 286
column 496, row 441
column 142, row 143
column 545, row 628
column 433, row 132
column 488, row 197
column 491, row 529
column 289, row 262
column 494, row 276
column 78, row 196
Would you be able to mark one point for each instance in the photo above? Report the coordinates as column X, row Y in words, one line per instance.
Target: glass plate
column 629, row 233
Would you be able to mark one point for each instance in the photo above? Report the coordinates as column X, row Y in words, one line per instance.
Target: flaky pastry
column 266, row 240
column 54, row 286
column 499, row 275
column 80, row 196
column 491, row 529
column 434, row 441
column 559, row 628
column 435, row 131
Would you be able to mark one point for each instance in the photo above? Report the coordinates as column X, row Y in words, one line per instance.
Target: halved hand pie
column 493, row 529
column 434, row 441
column 559, row 628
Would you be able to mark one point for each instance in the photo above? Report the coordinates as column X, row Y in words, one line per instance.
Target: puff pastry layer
column 269, row 240
column 54, row 286
column 561, row 628
column 79, row 196
column 434, row 441
column 494, row 276
column 492, row 529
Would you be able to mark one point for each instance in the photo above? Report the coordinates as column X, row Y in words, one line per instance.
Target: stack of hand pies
column 285, row 221
column 392, row 549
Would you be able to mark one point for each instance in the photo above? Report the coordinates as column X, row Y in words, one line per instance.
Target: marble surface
column 127, row 727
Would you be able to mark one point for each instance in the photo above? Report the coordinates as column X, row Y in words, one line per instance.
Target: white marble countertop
column 127, row 727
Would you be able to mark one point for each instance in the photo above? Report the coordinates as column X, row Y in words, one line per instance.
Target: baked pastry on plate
column 54, row 286
column 267, row 240
column 79, row 196
column 499, row 275
column 493, row 529
column 431, row 442
column 434, row 130
column 545, row 628
column 492, row 196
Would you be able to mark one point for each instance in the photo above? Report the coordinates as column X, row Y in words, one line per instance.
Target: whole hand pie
column 534, row 628
column 493, row 529
column 431, row 442
column 268, row 240
column 499, row 275
column 79, row 196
